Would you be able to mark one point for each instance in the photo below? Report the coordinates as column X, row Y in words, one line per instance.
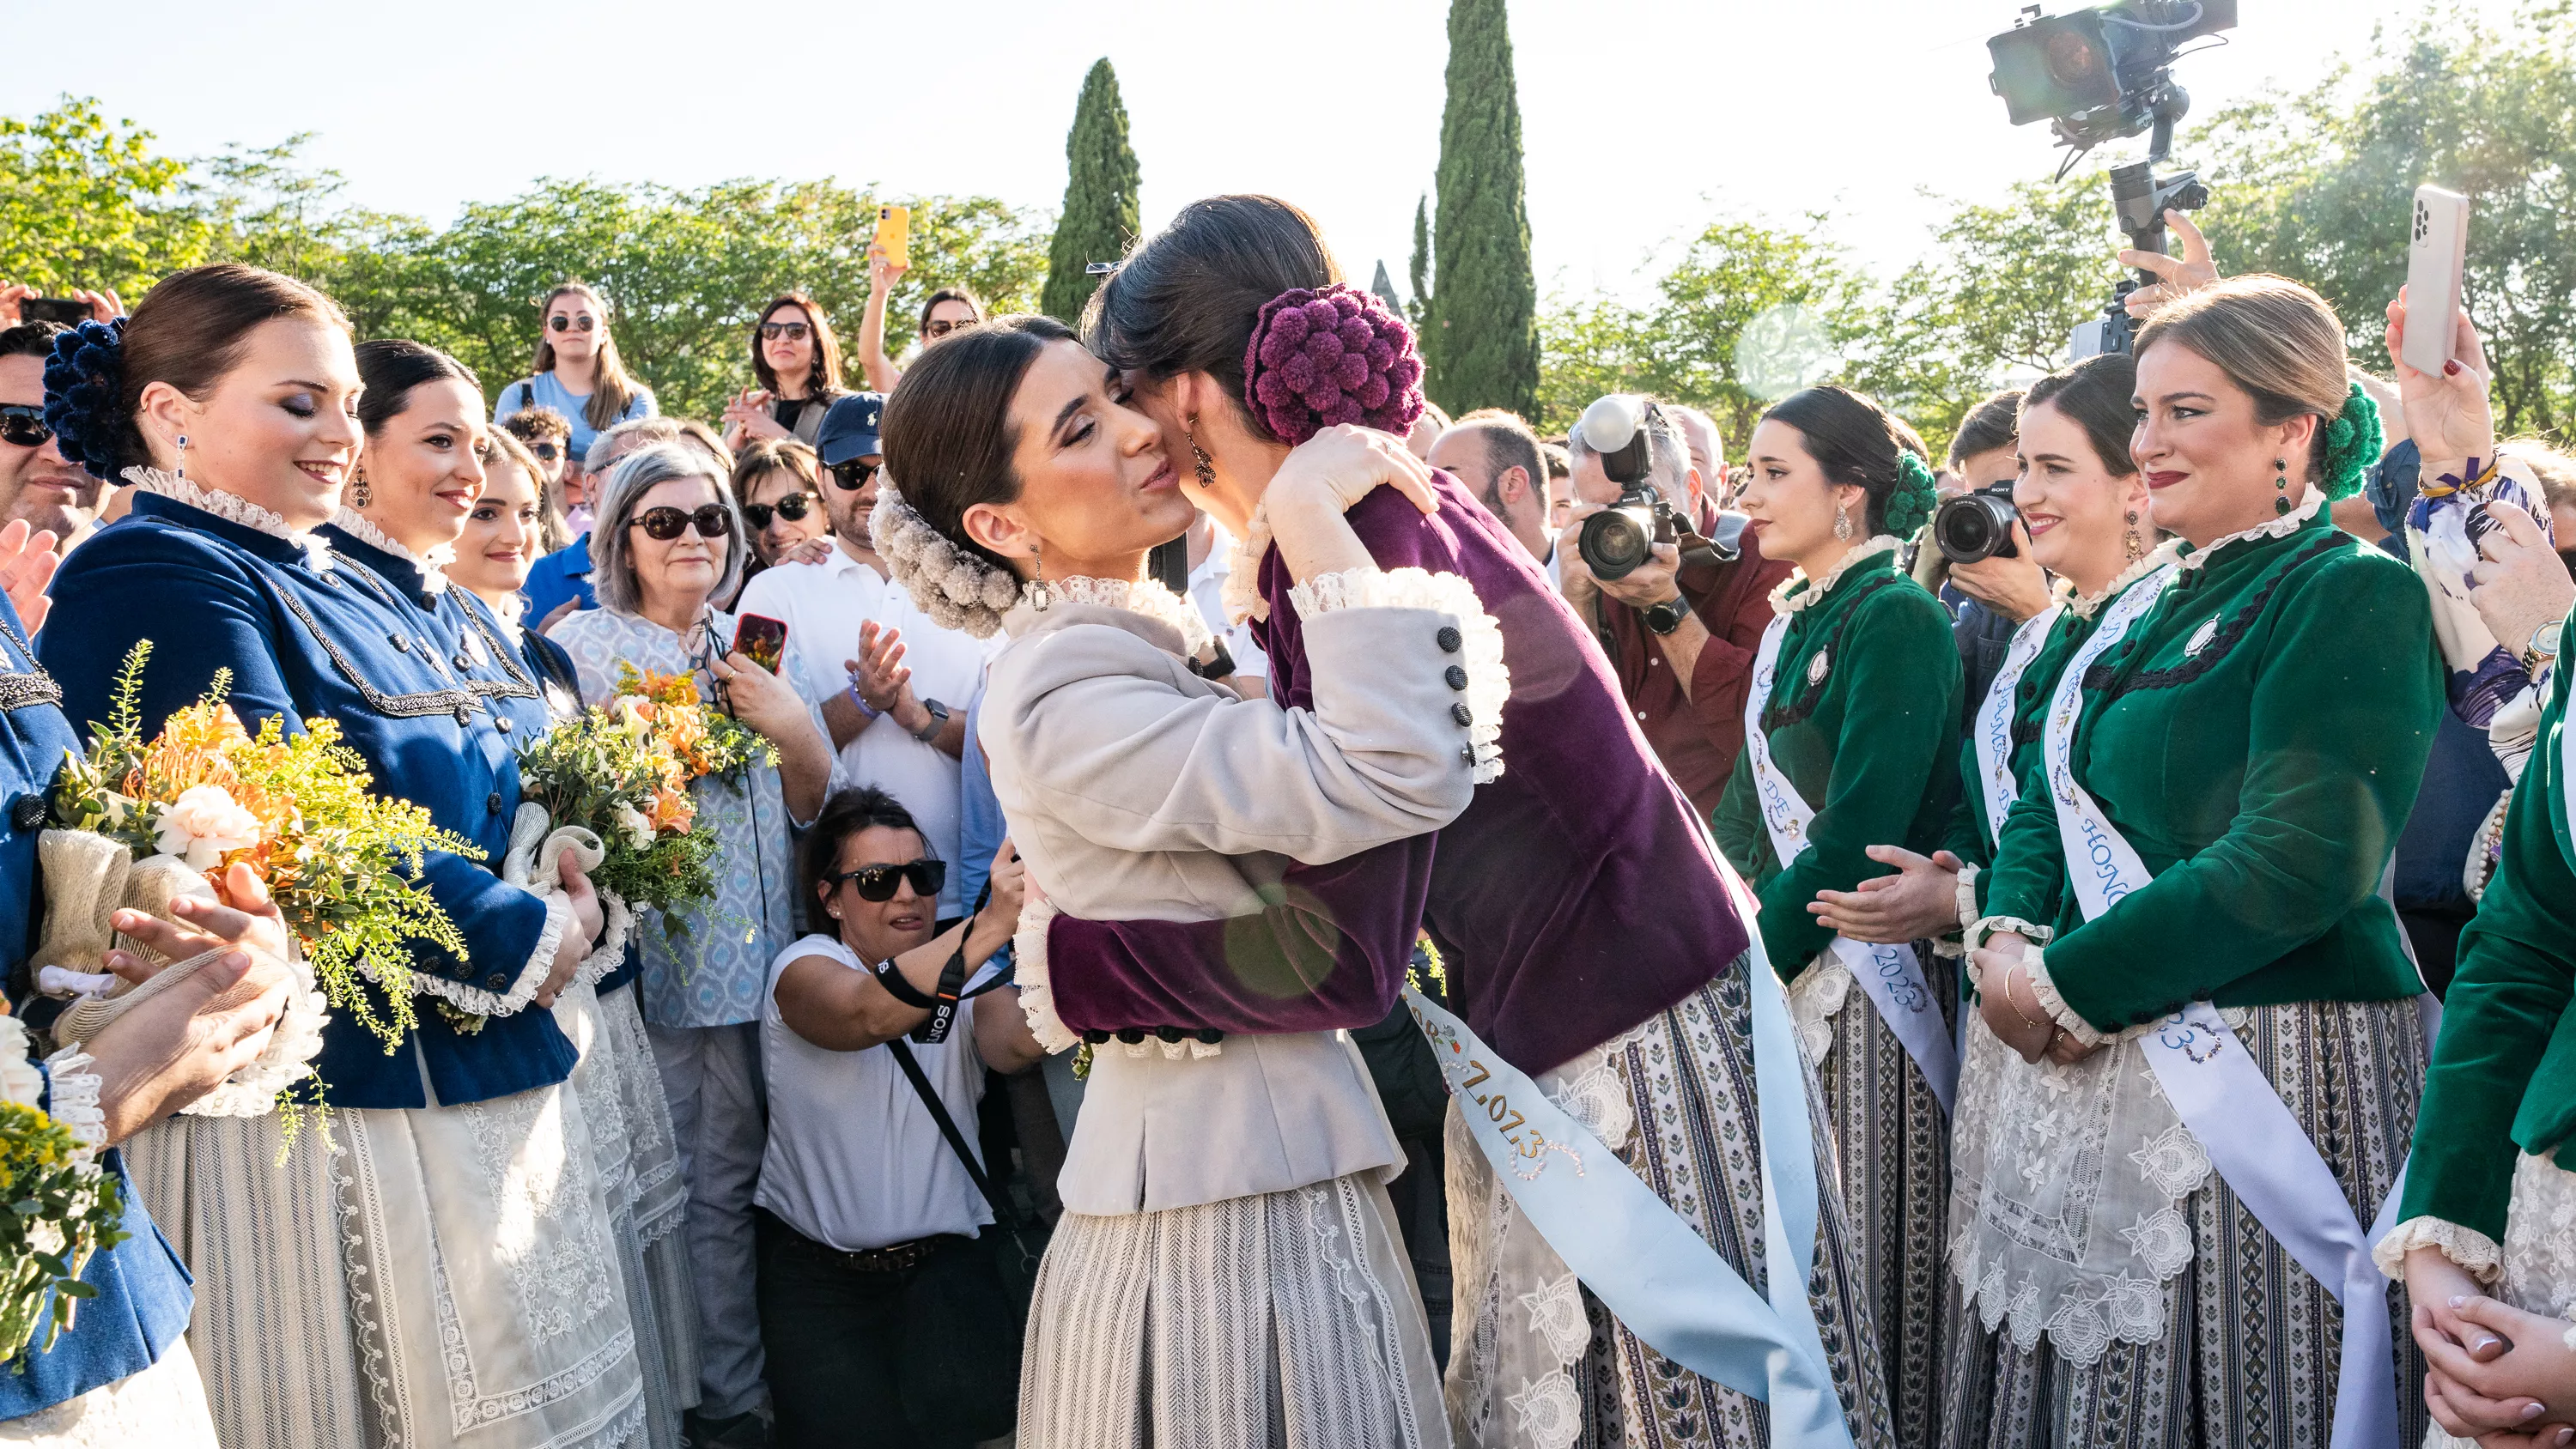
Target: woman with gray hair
column 667, row 542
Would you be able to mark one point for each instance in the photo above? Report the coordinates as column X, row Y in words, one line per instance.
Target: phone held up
column 67, row 311
column 894, row 234
column 762, row 639
column 2435, row 258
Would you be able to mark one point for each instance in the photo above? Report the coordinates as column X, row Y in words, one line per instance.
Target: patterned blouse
column 714, row 975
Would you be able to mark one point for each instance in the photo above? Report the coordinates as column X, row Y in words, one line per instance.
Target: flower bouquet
column 140, row 822
column 57, row 1206
column 613, row 783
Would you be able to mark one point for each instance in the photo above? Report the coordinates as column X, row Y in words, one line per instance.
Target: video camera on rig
column 2106, row 74
column 1619, row 538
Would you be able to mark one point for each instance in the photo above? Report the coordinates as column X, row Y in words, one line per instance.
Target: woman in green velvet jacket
column 2238, row 744
column 1852, row 737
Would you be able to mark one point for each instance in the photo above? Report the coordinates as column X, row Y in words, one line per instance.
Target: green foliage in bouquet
column 56, row 1209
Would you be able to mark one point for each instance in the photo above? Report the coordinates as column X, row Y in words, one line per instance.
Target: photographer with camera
column 1682, row 621
column 1985, row 574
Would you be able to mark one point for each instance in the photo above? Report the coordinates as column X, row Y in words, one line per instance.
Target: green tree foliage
column 1484, row 310
column 1099, row 219
column 1418, row 272
column 85, row 202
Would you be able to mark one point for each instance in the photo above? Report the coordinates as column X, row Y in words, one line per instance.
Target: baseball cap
column 850, row 429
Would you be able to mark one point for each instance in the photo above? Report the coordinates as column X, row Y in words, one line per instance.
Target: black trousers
column 926, row 1357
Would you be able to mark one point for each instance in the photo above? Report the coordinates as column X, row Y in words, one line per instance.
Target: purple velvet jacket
column 1573, row 900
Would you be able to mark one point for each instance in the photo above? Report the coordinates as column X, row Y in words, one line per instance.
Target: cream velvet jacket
column 1136, row 790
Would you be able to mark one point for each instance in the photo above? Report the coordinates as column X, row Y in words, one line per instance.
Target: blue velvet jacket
column 143, row 1296
column 422, row 687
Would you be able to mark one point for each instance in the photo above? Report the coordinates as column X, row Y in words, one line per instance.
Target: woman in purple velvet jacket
column 1586, row 925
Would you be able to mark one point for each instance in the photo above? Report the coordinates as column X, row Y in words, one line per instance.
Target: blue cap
column 850, row 429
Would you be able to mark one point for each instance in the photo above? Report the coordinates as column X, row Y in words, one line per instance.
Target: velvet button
column 1450, row 640
column 1096, row 1037
column 27, row 813
column 464, row 663
column 402, row 645
column 492, row 803
column 1168, row 1033
column 1457, row 676
column 464, row 716
column 501, row 722
column 1462, row 714
column 496, row 981
column 1131, row 1034
column 1466, row 754
column 1211, row 1035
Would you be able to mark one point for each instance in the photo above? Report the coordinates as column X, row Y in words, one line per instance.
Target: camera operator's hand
column 2015, row 587
column 2182, row 275
column 2448, row 413
column 2522, row 587
column 1650, row 583
column 1921, row 899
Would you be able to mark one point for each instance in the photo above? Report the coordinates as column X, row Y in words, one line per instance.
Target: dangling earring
column 2136, row 549
column 360, row 495
column 2281, row 504
column 1041, row 598
column 1842, row 521
column 183, row 455
column 1206, row 465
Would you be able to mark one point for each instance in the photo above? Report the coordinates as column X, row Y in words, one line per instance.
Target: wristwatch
column 937, row 722
column 2542, row 648
column 1667, row 616
column 1220, row 662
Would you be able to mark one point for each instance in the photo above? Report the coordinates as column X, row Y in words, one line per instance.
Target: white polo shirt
column 822, row 606
column 1207, row 590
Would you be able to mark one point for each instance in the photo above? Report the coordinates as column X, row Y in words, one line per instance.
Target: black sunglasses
column 666, row 522
column 877, row 882
column 23, row 424
column 793, row 508
column 545, row 452
column 941, row 328
column 564, row 322
column 792, row 331
column 854, row 474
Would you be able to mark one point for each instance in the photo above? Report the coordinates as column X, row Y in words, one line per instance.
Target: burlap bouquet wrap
column 87, row 879
column 530, row 863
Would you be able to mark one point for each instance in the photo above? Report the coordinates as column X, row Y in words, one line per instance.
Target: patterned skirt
column 1287, row 1320
column 1892, row 1149
column 1535, row 1361
column 2539, row 1259
column 2248, row 1352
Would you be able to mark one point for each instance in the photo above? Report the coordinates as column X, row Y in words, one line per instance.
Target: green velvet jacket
column 1968, row 836
column 2258, row 738
column 1871, row 742
column 2504, row 1071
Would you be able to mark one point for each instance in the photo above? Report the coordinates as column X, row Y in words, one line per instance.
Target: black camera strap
column 1003, row 1212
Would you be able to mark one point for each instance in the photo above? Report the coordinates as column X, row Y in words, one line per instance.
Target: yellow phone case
column 894, row 234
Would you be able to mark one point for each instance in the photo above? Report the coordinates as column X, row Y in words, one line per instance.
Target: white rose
column 631, row 717
column 20, row 1082
column 637, row 825
column 203, row 824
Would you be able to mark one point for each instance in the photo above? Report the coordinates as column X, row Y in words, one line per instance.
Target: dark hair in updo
column 1187, row 298
column 947, row 430
column 391, row 368
column 2100, row 394
column 1855, row 441
column 189, row 331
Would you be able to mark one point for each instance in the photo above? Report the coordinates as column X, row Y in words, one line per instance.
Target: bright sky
column 1642, row 121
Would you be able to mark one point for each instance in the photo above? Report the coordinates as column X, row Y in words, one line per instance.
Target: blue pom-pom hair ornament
column 84, row 379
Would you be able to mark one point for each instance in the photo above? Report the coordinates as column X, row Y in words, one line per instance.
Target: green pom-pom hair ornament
column 2348, row 444
column 1910, row 502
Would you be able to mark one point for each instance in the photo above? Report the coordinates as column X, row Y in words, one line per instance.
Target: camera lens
column 1976, row 526
column 1616, row 540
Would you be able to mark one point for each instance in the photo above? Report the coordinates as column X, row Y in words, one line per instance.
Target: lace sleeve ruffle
column 1480, row 653
column 523, row 988
column 1978, row 930
column 2480, row 1256
column 253, row 1091
column 72, row 1099
column 1029, row 969
column 2055, row 1005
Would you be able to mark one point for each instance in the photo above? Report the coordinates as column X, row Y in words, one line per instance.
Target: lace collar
column 1242, row 593
column 1143, row 597
column 1789, row 597
column 2085, row 606
column 2281, row 527
column 511, row 615
column 232, row 508
column 357, row 525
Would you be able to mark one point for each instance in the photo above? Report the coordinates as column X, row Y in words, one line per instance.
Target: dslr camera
column 1976, row 525
column 1619, row 539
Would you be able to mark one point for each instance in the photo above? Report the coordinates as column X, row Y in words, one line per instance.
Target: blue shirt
column 980, row 826
column 563, row 574
column 544, row 391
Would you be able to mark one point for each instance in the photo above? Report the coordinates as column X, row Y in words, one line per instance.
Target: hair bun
column 2349, row 443
column 84, row 378
column 1910, row 502
column 1322, row 357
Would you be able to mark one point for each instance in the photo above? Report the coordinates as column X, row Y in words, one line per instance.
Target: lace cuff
column 1029, row 968
column 1967, row 901
column 559, row 919
column 2055, row 1005
column 617, row 924
column 253, row 1091
column 2480, row 1256
column 1978, row 930
column 73, row 1099
column 1480, row 652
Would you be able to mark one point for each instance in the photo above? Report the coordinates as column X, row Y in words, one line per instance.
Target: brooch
column 1817, row 666
column 2201, row 636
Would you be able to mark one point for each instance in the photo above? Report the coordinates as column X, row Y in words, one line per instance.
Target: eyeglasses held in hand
column 792, row 508
column 792, row 331
column 565, row 322
column 545, row 452
column 666, row 522
column 23, row 425
column 941, row 328
column 877, row 882
column 854, row 474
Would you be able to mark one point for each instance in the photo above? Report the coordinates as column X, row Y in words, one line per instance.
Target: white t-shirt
column 854, row 1159
column 1207, row 590
column 822, row 606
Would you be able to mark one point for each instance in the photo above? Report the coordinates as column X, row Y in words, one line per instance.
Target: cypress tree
column 1419, row 314
column 1484, row 313
column 1099, row 217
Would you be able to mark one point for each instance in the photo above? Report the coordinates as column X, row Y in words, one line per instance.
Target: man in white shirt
column 901, row 729
column 1211, row 561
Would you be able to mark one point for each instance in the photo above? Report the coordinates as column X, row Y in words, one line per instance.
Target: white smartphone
column 2434, row 259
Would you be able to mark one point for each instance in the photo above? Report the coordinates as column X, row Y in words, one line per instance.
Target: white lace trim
column 2480, row 1256
column 532, row 974
column 1984, row 926
column 230, row 507
column 1784, row 601
column 1968, row 897
column 1029, row 969
column 288, row 1058
column 1142, row 596
column 2035, row 971
column 1489, row 682
column 74, row 1101
column 2085, row 606
column 357, row 525
column 2281, row 527
column 20, row 1082
column 1242, row 592
column 1816, row 997
column 617, row 923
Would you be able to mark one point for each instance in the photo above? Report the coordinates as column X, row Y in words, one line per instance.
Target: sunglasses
column 545, row 452
column 854, row 474
column 667, row 523
column 564, row 322
column 877, row 882
column 941, row 328
column 23, row 424
column 792, row 508
column 792, row 331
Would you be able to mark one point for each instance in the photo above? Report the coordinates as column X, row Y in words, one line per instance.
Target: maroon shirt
column 1574, row 899
column 1698, row 733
